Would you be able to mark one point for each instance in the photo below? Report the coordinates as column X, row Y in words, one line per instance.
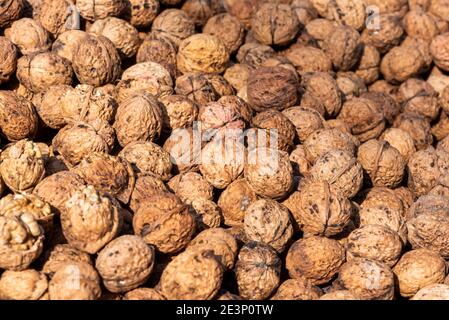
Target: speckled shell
column 66, row 43
column 196, row 87
column 308, row 59
column 179, row 112
column 387, row 35
column 343, row 47
column 143, row 294
column 192, row 275
column 61, row 255
column 29, row 36
column 439, row 51
column 254, row 54
column 258, row 271
column 99, row 9
column 175, row 24
column 433, row 292
column 417, row 126
column 228, row 29
column 316, row 258
column 58, row 16
column 160, row 49
column 300, row 164
column 8, row 59
column 243, row 10
column 141, row 13
column 207, row 214
column 165, row 222
column 402, row 63
column 400, row 140
column 146, row 185
column 417, row 269
column 190, row 186
column 10, row 11
column 125, row 263
column 23, row 285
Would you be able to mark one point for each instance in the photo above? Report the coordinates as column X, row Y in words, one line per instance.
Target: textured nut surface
column 387, row 35
column 179, row 112
column 339, row 295
column 146, row 185
column 196, row 87
column 254, row 54
column 439, row 51
column 61, row 255
column 22, row 285
column 144, row 294
column 58, row 16
column 160, row 49
column 417, row 126
column 297, row 289
column 29, row 36
column 308, row 59
column 343, row 46
column 190, row 186
column 184, row 148
column 175, row 24
column 66, row 43
column 99, row 9
column 10, row 11
column 8, row 56
column 141, row 13
column 228, row 29
column 433, row 292
column 400, row 140
column 48, row 106
column 322, row 141
column 207, row 214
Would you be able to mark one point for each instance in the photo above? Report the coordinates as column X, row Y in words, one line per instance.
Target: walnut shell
column 439, row 49
column 61, row 255
column 268, row 222
column 319, row 29
column 184, row 148
column 346, row 56
column 202, row 53
column 125, row 263
column 420, row 24
column 146, row 185
column 322, row 141
column 160, row 49
column 48, row 106
column 8, row 59
column 175, row 24
column 315, row 258
column 297, row 289
column 207, row 214
column 10, row 11
column 29, row 36
column 96, row 61
column 22, row 166
column 92, row 10
column 385, row 103
column 165, row 222
column 350, row 84
column 138, row 118
column 190, row 186
column 257, row 271
column 228, row 29
column 272, row 87
column 58, row 16
column 237, row 75
column 141, row 13
column 339, row 295
column 90, row 220
column 400, row 140
column 387, row 33
column 308, row 59
column 196, row 87
column 432, row 292
column 220, row 85
column 23, row 285
column 402, row 63
column 201, row 10
column 417, row 126
column 144, row 294
column 219, row 119
column 368, row 66
column 417, row 269
column 254, row 54
column 66, row 43
column 75, row 281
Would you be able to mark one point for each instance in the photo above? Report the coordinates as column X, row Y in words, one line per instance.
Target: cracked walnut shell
column 23, row 285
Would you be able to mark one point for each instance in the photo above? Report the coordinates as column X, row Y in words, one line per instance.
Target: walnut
column 417, row 269
column 193, row 275
column 386, row 35
column 401, row 140
column 158, row 48
column 343, row 57
column 297, row 289
column 219, row 119
column 8, row 59
column 350, row 84
column 92, row 10
column 432, row 292
column 201, row 10
column 304, row 11
column 242, row 10
column 90, row 220
column 254, row 54
column 315, row 258
column 61, row 255
column 322, row 94
column 138, row 118
column 75, row 281
column 141, row 13
column 144, row 294
column 218, row 241
column 300, row 164
column 29, row 36
column 339, row 295
column 385, row 102
column 125, row 263
column 179, row 112
column 10, row 11
column 75, row 141
column 269, row 172
column 196, row 87
column 48, row 106
column 175, row 24
column 237, row 75
column 308, row 59
column 146, row 185
column 438, row 49
column 319, row 29
column 228, row 29
column 190, row 186
column 66, row 43
column 220, row 85
column 96, row 61
column 368, row 65
column 184, row 147
column 272, row 87
column 207, row 214
column 18, row 119
column 417, row 126
column 165, row 222
column 257, row 271
column 21, row 241
column 58, row 16
column 122, row 34
column 402, row 63
column 239, row 106
column 419, row 24
column 439, row 9
column 23, row 285
column 367, row 279
column 382, row 197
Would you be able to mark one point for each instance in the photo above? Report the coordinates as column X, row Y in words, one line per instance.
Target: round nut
column 179, row 112
column 339, row 295
column 417, row 126
column 184, row 148
column 66, row 43
column 158, row 48
column 61, row 255
column 191, row 186
column 254, row 54
column 29, row 36
column 23, row 285
column 343, row 47
column 400, row 140
column 10, row 11
column 146, row 185
column 439, row 49
column 433, row 292
column 8, row 62
column 297, row 289
column 58, row 16
column 228, row 29
column 196, row 87
column 92, row 10
column 305, row 120
column 175, row 24
column 308, row 59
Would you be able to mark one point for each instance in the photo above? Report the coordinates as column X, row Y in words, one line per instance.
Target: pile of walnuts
column 224, row 149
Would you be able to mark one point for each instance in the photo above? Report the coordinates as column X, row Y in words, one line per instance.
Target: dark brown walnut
column 237, row 75
column 367, row 279
column 322, row 94
column 315, row 258
column 10, row 10
column 138, row 118
column 383, row 163
column 122, row 34
column 368, row 65
column 274, row 24
column 339, row 295
column 221, row 86
column 66, row 43
column 426, row 169
column 228, row 29
column 23, row 285
column 8, row 59
column 48, row 106
column 160, row 49
column 196, row 87
column 297, row 289
column 242, row 10
column 57, row 189
column 143, row 294
column 428, row 224
column 254, row 54
column 192, row 275
column 39, row 71
column 96, row 61
column 235, row 200
column 343, row 47
column 165, row 222
column 417, row 126
column 273, row 120
column 141, row 13
column 417, row 269
column 125, row 263
column 257, row 271
column 201, row 10
column 420, row 24
column 386, row 35
column 92, row 10
column 402, row 63
column 149, row 77
column 267, row 221
column 175, row 24
column 75, row 141
column 184, row 149
column 218, row 241
column 272, row 87
column 179, row 112
column 385, row 102
column 58, row 16
column 322, row 141
column 75, row 281
column 401, row 140
column 90, row 219
column 439, row 51
column 190, row 186
column 29, row 36
column 21, row 241
column 61, row 255
column 146, row 185
column 207, row 214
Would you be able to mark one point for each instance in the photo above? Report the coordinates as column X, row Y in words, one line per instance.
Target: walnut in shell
column 58, row 16
column 228, row 29
column 175, row 24
column 61, row 255
column 29, row 36
column 433, row 292
column 308, row 59
column 386, row 35
column 66, row 43
column 439, row 49
column 23, row 285
column 339, row 295
column 297, row 289
column 184, row 148
column 144, row 294
column 201, row 10
column 207, row 214
column 146, row 185
column 160, row 49
column 196, row 87
column 190, row 186
column 417, row 126
column 402, row 63
column 368, row 66
column 179, row 112
column 8, row 59
column 92, row 10
column 237, row 75
column 10, row 11
column 141, row 13
column 400, row 140
column 254, row 54
column 344, row 48
column 48, row 106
